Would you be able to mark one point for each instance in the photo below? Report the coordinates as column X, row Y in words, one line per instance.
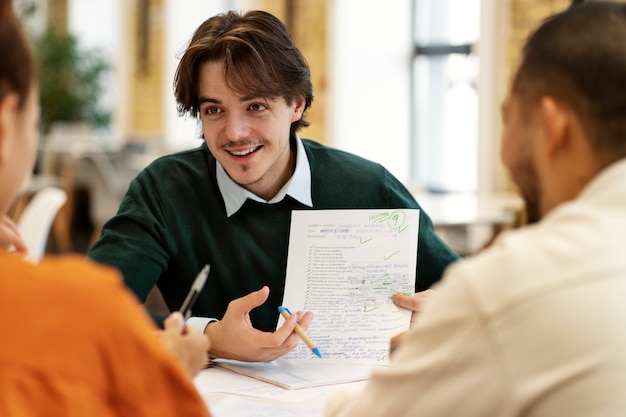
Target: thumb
column 174, row 323
column 251, row 301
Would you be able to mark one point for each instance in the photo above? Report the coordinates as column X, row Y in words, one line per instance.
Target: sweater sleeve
column 135, row 240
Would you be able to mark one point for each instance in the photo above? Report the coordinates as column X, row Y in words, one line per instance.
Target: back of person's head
column 17, row 65
column 260, row 60
column 579, row 58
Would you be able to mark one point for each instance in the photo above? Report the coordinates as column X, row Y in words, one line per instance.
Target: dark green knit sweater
column 172, row 221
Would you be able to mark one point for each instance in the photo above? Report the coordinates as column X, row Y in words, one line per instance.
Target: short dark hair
column 17, row 64
column 260, row 60
column 579, row 57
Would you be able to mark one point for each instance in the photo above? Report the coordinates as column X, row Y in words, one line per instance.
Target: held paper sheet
column 344, row 265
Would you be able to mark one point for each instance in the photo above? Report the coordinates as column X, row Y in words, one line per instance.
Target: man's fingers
column 305, row 320
column 10, row 224
column 406, row 301
column 286, row 329
column 413, row 302
column 19, row 245
column 245, row 304
column 286, row 335
column 10, row 236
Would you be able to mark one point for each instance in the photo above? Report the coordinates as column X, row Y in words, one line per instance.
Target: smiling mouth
column 244, row 153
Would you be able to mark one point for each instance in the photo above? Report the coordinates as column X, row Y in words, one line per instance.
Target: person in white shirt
column 534, row 325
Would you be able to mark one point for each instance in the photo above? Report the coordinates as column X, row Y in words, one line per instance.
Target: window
column 444, row 95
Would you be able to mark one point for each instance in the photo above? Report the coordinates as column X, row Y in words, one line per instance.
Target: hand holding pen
column 186, row 343
column 284, row 311
column 234, row 337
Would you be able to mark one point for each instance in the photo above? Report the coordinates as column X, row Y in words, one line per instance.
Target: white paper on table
column 292, row 403
column 294, row 375
column 223, row 381
column 344, row 265
column 242, row 407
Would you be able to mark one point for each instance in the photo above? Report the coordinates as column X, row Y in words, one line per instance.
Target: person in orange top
column 66, row 362
column 74, row 341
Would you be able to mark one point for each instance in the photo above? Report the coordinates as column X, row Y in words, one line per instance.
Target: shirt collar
column 298, row 186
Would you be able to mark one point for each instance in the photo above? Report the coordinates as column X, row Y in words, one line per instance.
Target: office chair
column 36, row 220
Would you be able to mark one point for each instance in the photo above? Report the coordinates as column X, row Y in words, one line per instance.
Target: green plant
column 71, row 81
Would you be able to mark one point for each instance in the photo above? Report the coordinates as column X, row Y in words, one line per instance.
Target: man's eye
column 211, row 110
column 257, row 107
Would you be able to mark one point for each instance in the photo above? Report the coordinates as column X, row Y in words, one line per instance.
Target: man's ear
column 8, row 111
column 298, row 110
column 557, row 126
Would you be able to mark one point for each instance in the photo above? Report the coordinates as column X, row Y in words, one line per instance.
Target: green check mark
column 390, row 256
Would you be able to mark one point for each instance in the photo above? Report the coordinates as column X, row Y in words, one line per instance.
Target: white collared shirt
column 298, row 186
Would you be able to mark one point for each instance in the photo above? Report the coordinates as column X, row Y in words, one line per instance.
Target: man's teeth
column 242, row 153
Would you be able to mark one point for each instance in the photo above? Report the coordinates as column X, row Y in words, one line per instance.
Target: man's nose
column 237, row 127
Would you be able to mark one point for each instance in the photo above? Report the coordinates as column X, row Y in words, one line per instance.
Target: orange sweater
column 74, row 342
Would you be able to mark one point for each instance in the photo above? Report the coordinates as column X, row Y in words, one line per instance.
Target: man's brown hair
column 579, row 57
column 260, row 60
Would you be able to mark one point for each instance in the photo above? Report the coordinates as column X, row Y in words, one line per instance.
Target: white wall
column 182, row 19
column 97, row 25
column 492, row 83
column 369, row 80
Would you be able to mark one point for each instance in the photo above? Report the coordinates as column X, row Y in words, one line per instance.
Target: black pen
column 196, row 287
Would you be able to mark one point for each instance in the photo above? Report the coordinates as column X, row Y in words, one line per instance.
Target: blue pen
column 284, row 311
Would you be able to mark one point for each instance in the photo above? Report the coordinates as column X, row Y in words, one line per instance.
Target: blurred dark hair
column 17, row 64
column 260, row 60
column 579, row 57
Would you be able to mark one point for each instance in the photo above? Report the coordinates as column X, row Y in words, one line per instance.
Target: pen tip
column 317, row 352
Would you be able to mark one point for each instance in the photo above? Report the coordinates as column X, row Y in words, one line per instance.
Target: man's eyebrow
column 251, row 98
column 202, row 99
column 208, row 100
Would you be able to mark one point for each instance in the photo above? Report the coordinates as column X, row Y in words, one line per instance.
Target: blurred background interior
column 413, row 84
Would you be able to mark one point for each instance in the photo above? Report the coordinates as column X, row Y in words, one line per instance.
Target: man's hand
column 396, row 341
column 414, row 302
column 187, row 344
column 233, row 337
column 10, row 236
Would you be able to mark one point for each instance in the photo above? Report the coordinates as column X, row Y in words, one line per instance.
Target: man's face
column 519, row 126
column 249, row 136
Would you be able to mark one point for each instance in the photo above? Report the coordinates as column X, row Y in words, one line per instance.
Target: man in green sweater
column 228, row 203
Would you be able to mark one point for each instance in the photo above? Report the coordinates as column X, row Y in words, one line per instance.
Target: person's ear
column 298, row 110
column 556, row 123
column 8, row 111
